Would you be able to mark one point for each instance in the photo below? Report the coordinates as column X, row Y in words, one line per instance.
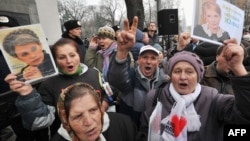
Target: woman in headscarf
column 79, row 108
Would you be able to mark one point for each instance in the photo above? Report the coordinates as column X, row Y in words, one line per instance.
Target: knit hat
column 106, row 31
column 148, row 48
column 71, row 24
column 186, row 56
column 8, row 21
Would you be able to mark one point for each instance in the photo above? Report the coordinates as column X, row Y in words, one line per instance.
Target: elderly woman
column 192, row 112
column 101, row 49
column 79, row 108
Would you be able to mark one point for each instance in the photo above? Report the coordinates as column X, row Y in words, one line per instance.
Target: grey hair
column 19, row 37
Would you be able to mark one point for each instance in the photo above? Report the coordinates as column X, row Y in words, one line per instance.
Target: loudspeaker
column 168, row 21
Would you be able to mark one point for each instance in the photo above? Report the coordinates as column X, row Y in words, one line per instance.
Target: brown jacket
column 213, row 79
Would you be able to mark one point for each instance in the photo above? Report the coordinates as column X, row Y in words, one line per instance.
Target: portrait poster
column 217, row 20
column 27, row 53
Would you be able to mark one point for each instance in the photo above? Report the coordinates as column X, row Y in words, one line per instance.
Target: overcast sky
column 92, row 2
column 187, row 6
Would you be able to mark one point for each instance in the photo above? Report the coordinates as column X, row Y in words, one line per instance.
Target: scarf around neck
column 183, row 116
column 76, row 73
column 106, row 54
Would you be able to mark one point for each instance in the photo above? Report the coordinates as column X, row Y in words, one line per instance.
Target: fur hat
column 71, row 24
column 8, row 21
column 148, row 48
column 186, row 56
column 106, row 31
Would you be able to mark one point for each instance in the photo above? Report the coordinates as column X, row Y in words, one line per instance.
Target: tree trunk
column 135, row 8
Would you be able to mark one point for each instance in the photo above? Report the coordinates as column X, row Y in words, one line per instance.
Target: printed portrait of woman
column 211, row 29
column 25, row 45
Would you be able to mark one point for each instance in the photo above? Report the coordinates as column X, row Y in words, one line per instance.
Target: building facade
column 44, row 12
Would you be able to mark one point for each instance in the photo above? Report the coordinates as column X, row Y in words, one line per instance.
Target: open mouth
column 148, row 69
column 182, row 85
column 70, row 68
column 102, row 46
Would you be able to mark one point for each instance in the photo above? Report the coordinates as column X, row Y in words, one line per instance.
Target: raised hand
column 184, row 40
column 93, row 42
column 234, row 55
column 126, row 38
column 18, row 86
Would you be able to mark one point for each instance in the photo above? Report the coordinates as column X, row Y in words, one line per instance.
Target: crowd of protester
column 121, row 85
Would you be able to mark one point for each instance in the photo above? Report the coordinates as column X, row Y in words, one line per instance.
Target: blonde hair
column 209, row 5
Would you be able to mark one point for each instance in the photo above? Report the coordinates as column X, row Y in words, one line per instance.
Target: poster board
column 231, row 20
column 27, row 53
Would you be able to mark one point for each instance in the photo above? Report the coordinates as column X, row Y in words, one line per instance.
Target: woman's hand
column 18, row 86
column 93, row 43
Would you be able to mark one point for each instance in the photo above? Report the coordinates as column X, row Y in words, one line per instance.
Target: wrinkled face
column 104, row 42
column 67, row 58
column 77, row 32
column 184, row 77
column 212, row 18
column 31, row 53
column 148, row 62
column 85, row 118
column 222, row 66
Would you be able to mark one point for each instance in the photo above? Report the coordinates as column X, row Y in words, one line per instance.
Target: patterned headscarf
column 62, row 112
